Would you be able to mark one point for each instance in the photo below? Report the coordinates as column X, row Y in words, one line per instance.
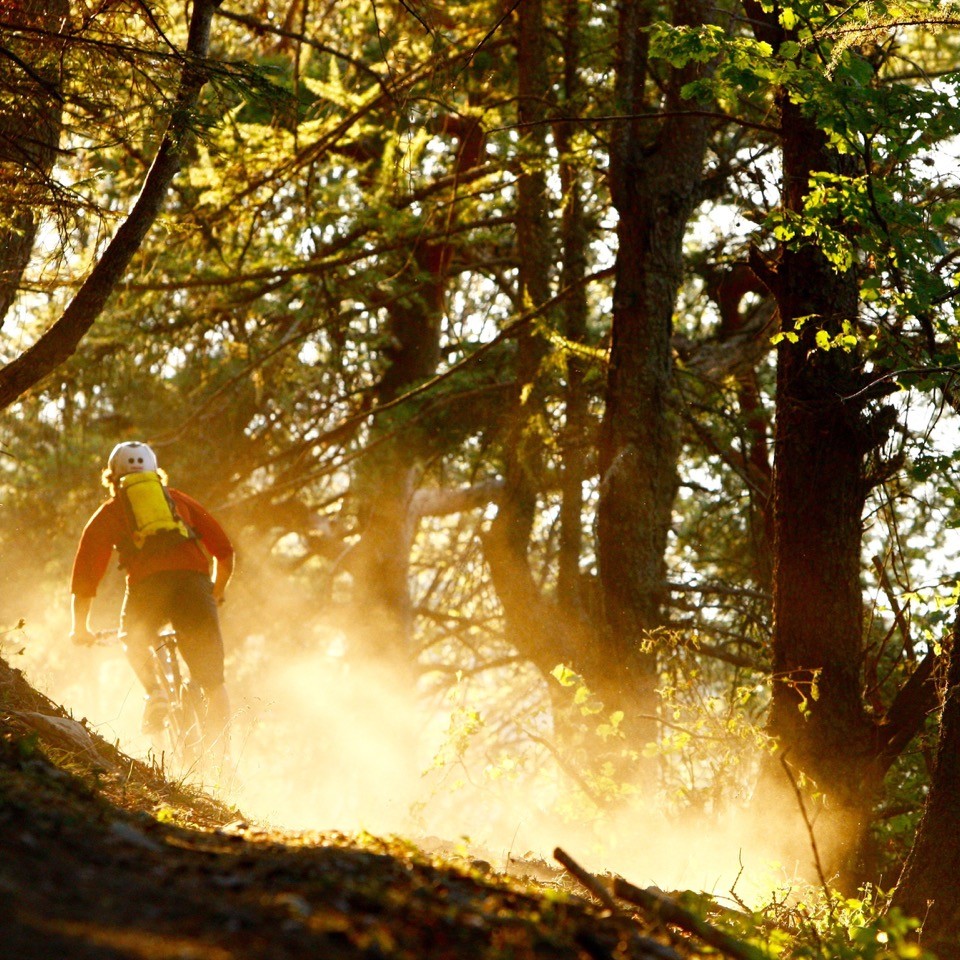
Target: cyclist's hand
column 82, row 637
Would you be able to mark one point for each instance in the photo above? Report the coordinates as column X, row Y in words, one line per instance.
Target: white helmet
column 131, row 456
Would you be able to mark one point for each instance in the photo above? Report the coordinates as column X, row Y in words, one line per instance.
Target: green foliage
column 815, row 923
column 743, row 66
column 885, row 214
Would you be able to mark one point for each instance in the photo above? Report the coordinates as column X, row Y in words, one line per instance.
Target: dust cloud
column 320, row 744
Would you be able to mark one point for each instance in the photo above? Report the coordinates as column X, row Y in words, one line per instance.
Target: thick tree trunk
column 822, row 436
column 828, row 744
column 655, row 182
column 819, row 492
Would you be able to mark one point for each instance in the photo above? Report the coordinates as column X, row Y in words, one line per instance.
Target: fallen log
column 659, row 905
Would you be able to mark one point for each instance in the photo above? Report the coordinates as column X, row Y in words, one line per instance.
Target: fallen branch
column 586, row 879
column 661, row 907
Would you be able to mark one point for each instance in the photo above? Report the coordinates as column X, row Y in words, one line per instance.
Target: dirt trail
column 101, row 858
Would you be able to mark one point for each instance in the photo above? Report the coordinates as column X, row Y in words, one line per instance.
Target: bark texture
column 819, row 492
column 656, row 178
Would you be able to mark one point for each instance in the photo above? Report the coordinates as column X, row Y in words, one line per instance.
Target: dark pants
column 184, row 600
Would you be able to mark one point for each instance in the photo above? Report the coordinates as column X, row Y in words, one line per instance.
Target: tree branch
column 914, row 702
column 60, row 342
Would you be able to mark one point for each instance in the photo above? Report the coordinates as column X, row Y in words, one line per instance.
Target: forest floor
column 101, row 857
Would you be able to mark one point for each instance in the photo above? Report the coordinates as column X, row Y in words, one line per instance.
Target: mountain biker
column 168, row 580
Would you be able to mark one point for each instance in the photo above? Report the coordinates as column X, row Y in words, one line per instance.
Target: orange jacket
column 107, row 530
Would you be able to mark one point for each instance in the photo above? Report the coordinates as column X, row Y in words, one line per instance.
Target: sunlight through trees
column 587, row 368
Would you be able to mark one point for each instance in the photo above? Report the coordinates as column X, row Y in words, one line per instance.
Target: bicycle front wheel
column 184, row 730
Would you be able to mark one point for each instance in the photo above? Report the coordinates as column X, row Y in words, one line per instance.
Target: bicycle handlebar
column 105, row 638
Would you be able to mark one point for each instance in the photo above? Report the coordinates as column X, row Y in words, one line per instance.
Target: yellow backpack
column 150, row 510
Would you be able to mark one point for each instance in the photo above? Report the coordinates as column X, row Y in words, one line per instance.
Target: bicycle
column 181, row 735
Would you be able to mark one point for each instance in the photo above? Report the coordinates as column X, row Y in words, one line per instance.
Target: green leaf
column 564, row 675
column 859, row 70
column 789, row 50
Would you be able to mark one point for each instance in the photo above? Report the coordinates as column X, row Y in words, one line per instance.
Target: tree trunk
column 545, row 630
column 385, row 485
column 822, row 436
column 387, row 480
column 507, row 540
column 655, row 183
column 828, row 743
column 574, row 258
column 929, row 888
